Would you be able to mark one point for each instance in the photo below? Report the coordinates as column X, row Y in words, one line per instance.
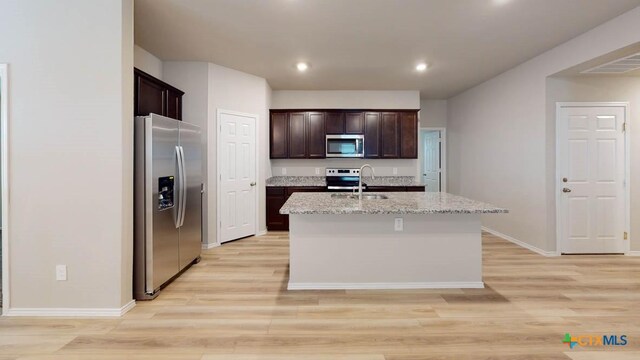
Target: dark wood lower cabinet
column 277, row 196
column 395, row 189
column 416, row 188
column 384, row 188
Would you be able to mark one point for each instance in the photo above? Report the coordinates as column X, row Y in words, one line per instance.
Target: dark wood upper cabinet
column 335, row 123
column 409, row 135
column 297, row 135
column 152, row 95
column 354, row 123
column 301, row 134
column 316, row 135
column 279, row 136
column 174, row 104
column 372, row 135
column 390, row 134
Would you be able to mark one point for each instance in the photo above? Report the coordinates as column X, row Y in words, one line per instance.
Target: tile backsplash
column 308, row 167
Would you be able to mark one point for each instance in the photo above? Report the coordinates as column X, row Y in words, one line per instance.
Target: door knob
column 567, row 190
column 253, row 184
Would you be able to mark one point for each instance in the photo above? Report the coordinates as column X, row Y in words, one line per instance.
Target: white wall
column 147, row 62
column 345, row 99
column 193, row 78
column 502, row 143
column 606, row 88
column 433, row 113
column 209, row 87
column 339, row 99
column 237, row 91
column 70, row 146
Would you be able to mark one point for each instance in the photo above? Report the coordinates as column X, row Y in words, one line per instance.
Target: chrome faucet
column 373, row 176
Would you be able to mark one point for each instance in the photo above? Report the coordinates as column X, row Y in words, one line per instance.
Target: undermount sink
column 355, row 196
column 373, row 197
column 341, row 196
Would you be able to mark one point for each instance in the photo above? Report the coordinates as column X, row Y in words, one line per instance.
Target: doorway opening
column 4, row 230
column 433, row 159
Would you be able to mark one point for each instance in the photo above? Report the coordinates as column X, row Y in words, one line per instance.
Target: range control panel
column 342, row 172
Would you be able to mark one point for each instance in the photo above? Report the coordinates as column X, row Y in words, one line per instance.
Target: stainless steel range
column 343, row 179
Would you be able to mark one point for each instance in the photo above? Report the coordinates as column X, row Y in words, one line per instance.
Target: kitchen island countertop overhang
column 396, row 203
column 406, row 241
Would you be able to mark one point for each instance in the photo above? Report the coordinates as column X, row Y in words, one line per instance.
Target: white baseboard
column 382, row 286
column 520, row 243
column 633, row 253
column 209, row 246
column 261, row 232
column 71, row 312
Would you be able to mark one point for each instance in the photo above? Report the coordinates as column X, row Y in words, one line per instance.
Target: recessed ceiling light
column 302, row 66
column 421, row 67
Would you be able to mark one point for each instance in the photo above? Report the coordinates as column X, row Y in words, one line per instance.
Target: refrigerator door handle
column 183, row 185
column 179, row 188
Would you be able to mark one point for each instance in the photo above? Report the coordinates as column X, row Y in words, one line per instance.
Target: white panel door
column 237, row 176
column 431, row 161
column 591, row 165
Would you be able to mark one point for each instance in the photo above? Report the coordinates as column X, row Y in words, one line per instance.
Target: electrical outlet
column 395, row 171
column 398, row 225
column 61, row 272
column 284, row 171
column 317, row 171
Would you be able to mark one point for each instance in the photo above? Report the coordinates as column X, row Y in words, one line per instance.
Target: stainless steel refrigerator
column 167, row 201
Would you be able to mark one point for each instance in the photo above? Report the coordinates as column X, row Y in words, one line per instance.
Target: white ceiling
column 366, row 44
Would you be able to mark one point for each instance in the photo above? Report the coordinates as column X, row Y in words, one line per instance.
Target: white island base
column 363, row 251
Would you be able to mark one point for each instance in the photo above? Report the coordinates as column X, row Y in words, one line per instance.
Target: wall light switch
column 398, row 224
column 61, row 272
column 317, row 171
column 395, row 171
column 284, row 171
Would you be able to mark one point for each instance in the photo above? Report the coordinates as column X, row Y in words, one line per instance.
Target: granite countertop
column 393, row 181
column 397, row 203
column 296, row 181
column 320, row 181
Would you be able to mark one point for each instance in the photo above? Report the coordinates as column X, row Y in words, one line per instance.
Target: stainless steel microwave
column 346, row 146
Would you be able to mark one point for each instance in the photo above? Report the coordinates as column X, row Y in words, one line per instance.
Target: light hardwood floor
column 234, row 306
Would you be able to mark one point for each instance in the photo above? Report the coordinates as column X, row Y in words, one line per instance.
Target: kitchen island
column 394, row 240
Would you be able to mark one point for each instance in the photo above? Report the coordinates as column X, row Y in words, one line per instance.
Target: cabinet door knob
column 252, row 184
column 567, row 190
